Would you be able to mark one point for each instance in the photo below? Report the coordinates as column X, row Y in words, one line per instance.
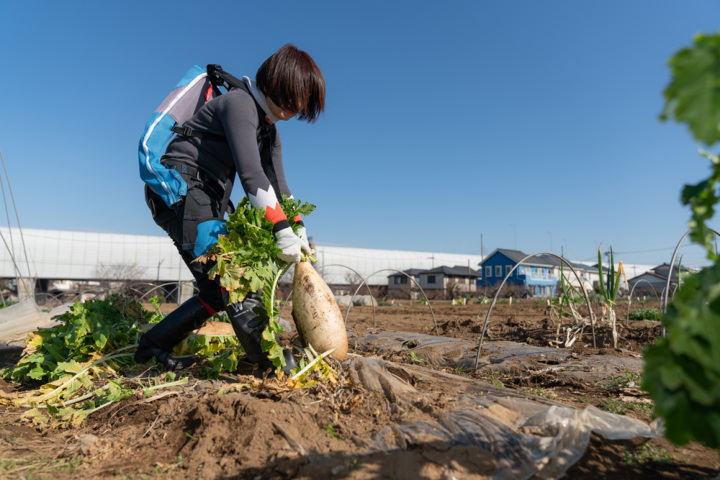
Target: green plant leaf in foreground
column 693, row 95
column 682, row 370
column 702, row 198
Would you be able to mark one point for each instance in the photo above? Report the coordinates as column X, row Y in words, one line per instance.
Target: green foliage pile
column 682, row 370
column 86, row 332
column 76, row 362
column 75, row 365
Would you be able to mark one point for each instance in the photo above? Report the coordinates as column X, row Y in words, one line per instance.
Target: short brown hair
column 293, row 82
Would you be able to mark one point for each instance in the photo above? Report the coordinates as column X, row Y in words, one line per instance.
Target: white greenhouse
column 56, row 255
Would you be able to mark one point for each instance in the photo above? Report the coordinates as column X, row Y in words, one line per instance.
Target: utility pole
column 482, row 249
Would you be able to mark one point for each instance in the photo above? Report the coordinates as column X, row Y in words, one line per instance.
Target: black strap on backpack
column 220, row 78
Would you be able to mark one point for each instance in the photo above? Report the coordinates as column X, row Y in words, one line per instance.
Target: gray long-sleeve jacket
column 252, row 149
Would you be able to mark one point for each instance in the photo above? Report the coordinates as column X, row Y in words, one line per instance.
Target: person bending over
column 288, row 84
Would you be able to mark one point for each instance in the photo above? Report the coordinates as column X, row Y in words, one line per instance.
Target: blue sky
column 529, row 125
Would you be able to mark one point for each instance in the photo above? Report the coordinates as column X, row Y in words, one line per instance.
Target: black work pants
column 180, row 223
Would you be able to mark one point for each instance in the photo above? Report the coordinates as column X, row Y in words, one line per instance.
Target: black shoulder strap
column 219, row 77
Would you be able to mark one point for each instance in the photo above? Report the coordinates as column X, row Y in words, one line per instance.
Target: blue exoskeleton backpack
column 195, row 89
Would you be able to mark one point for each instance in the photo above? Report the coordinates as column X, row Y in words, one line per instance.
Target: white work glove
column 290, row 244
column 302, row 235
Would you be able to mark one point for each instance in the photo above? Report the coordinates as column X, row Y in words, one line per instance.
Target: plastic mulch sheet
column 522, row 437
column 499, row 355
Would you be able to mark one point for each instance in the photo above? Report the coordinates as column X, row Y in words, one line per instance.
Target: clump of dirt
column 221, row 435
column 457, row 328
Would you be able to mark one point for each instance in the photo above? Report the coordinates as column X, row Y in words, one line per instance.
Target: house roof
column 456, row 271
column 516, row 256
column 543, row 260
column 651, row 279
column 663, row 268
column 413, row 272
column 661, row 272
column 555, row 261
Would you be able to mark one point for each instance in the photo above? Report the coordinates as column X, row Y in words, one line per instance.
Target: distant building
column 457, row 279
column 66, row 262
column 575, row 273
column 538, row 276
column 655, row 280
column 535, row 277
column 407, row 279
column 448, row 281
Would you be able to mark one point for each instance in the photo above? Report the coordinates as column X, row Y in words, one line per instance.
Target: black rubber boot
column 249, row 318
column 159, row 341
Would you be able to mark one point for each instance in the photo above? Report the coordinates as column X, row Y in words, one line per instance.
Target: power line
column 646, row 251
column 663, row 249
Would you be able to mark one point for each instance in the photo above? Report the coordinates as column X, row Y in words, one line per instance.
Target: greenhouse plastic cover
column 70, row 255
column 17, row 320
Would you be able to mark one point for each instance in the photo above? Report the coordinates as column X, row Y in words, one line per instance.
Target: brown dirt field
column 206, row 430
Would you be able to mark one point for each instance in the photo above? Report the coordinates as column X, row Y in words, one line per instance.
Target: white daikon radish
column 316, row 312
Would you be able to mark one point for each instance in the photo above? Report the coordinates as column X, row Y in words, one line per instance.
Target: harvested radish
column 316, row 312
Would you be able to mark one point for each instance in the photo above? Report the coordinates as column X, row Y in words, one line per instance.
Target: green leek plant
column 610, row 291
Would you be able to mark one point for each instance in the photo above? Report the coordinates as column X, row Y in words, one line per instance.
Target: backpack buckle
column 185, row 131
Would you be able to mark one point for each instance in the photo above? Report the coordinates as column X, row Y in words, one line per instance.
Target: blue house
column 535, row 277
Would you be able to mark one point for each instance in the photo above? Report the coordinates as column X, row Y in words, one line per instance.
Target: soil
column 217, row 430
